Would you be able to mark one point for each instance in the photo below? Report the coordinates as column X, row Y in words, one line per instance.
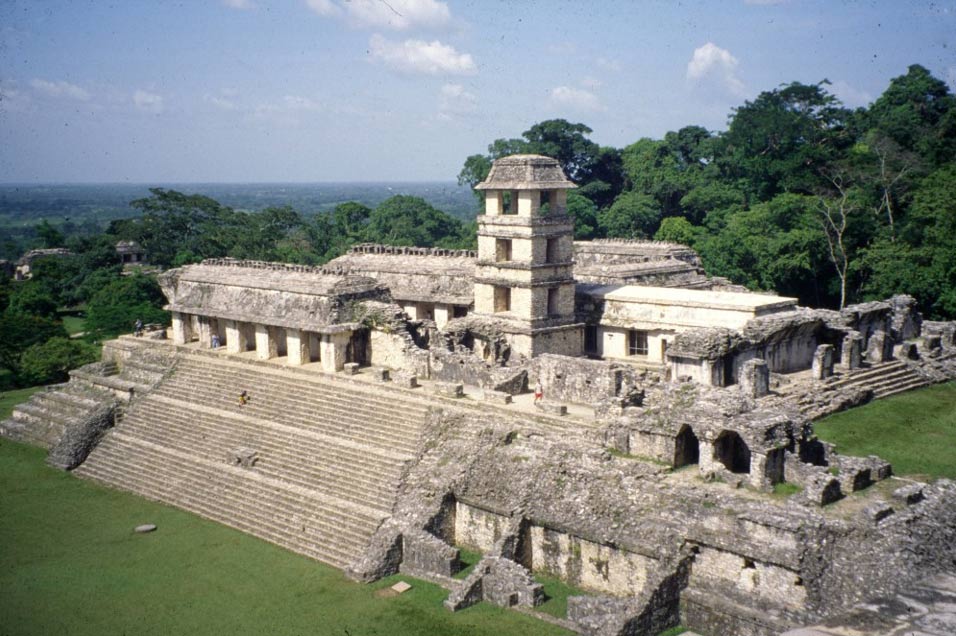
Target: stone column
column 265, row 343
column 205, row 332
column 823, row 362
column 332, row 351
column 182, row 332
column 876, row 347
column 755, row 378
column 235, row 340
column 442, row 314
column 852, row 356
column 297, row 346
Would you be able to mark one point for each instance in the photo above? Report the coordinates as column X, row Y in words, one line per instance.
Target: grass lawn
column 556, row 592
column 70, row 564
column 74, row 324
column 915, row 431
column 9, row 399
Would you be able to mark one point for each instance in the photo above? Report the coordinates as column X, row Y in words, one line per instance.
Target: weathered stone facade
column 387, row 422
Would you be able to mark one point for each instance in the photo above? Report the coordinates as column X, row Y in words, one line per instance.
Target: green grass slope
column 70, row 564
column 915, row 431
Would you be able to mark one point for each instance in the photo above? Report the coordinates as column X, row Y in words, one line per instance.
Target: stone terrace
column 328, row 454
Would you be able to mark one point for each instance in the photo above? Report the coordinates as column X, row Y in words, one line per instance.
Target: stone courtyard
column 391, row 422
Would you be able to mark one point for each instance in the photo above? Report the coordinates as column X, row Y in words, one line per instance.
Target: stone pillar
column 205, row 332
column 297, row 346
column 235, row 339
column 443, row 314
column 265, row 343
column 182, row 331
column 823, row 362
column 852, row 356
column 332, row 351
column 755, row 378
column 876, row 347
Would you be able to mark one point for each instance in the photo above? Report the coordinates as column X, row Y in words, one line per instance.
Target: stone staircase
column 885, row 379
column 816, row 399
column 312, row 462
column 42, row 420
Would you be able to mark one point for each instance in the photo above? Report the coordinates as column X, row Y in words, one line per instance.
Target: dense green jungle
column 799, row 194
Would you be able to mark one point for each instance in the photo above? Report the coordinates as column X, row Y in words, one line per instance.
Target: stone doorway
column 686, row 448
column 731, row 451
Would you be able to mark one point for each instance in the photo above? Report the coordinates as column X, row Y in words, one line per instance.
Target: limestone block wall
column 581, row 380
column 721, row 570
column 578, row 561
column 478, row 528
column 658, row 446
column 564, row 342
column 588, row 564
column 706, row 372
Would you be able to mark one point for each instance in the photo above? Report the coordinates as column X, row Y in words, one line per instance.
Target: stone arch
column 731, row 451
column 686, row 447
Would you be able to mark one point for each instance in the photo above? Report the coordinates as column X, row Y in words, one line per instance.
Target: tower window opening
column 502, row 299
column 502, row 250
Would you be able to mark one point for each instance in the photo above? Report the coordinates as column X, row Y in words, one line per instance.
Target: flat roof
column 736, row 301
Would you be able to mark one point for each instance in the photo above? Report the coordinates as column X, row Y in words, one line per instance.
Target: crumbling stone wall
column 584, row 381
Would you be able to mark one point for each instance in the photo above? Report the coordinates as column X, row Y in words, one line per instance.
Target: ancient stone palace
column 388, row 420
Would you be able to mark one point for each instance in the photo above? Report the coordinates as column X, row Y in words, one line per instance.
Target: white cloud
column 398, row 15
column 712, row 63
column 221, row 102
column 239, row 4
column 324, row 7
column 418, row 56
column 149, row 102
column 576, row 98
column 849, row 95
column 608, row 63
column 454, row 101
column 12, row 99
column 60, row 89
column 296, row 102
column 591, row 82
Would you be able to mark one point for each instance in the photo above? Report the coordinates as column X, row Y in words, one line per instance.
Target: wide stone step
column 379, row 396
column 228, row 387
column 332, row 420
column 39, row 413
column 224, row 515
column 305, row 395
column 343, row 471
column 259, row 505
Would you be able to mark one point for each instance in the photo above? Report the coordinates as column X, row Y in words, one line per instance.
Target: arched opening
column 731, row 451
column 686, row 447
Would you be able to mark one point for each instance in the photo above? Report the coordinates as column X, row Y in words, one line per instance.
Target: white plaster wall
column 521, row 249
column 671, row 316
column 613, row 343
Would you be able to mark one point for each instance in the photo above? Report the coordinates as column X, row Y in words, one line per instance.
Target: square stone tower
column 524, row 278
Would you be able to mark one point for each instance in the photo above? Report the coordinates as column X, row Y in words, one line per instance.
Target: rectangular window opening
column 502, row 299
column 502, row 250
column 636, row 343
column 553, row 309
column 551, row 251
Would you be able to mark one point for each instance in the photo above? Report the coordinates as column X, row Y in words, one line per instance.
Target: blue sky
column 375, row 90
